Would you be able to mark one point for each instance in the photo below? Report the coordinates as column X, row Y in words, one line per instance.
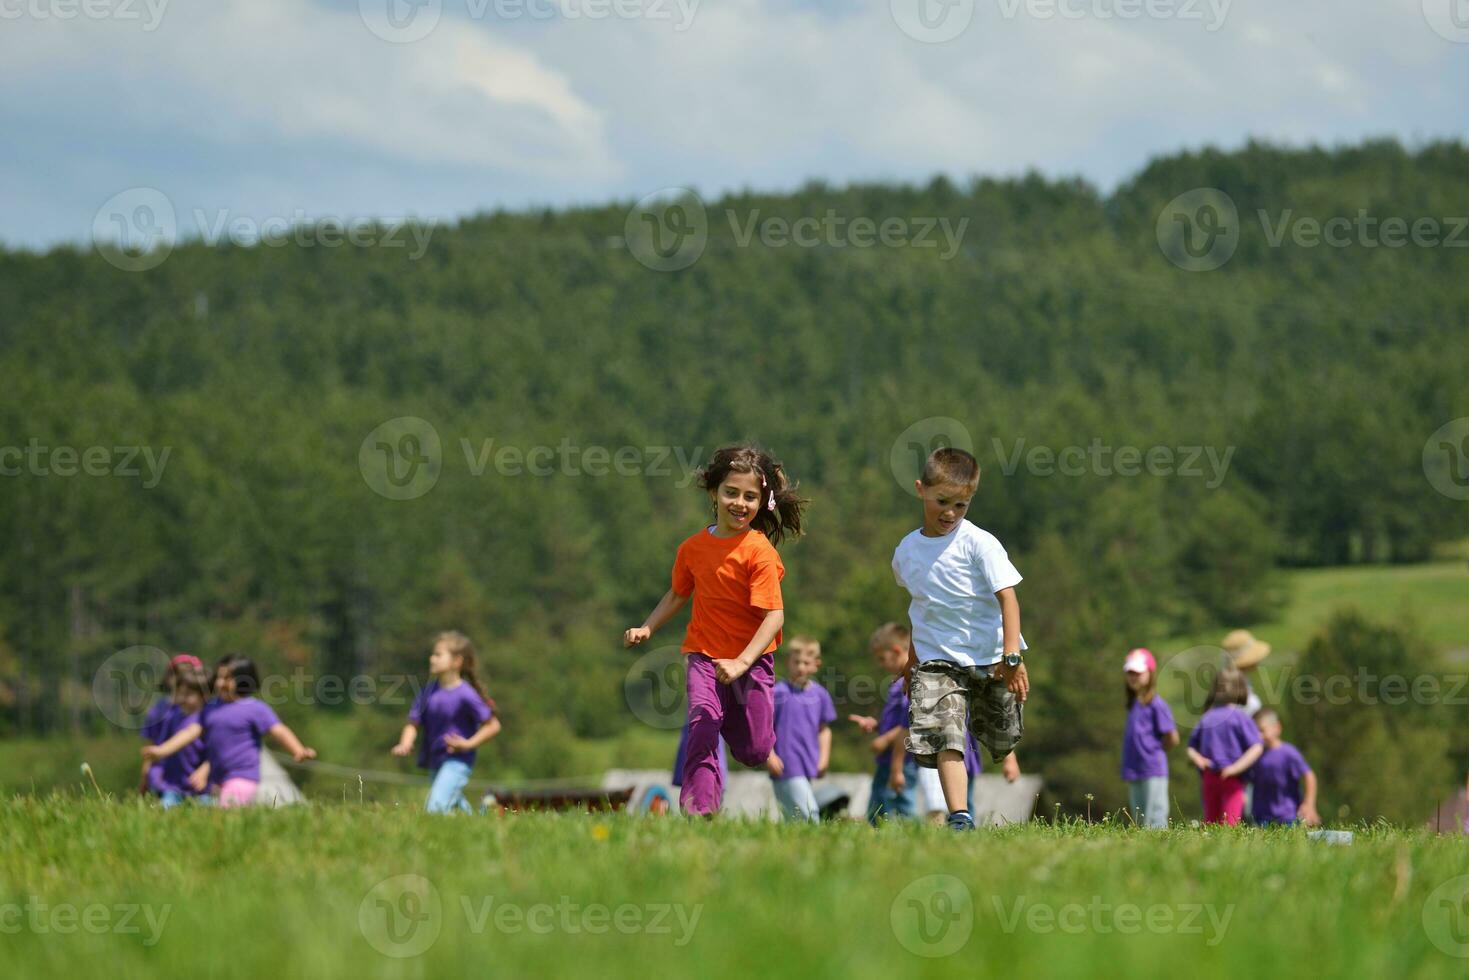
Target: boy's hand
column 401, row 750
column 198, row 780
column 1017, row 681
column 867, row 723
column 1308, row 815
column 1010, row 768
column 729, row 671
column 774, row 766
column 636, row 635
column 896, row 779
column 151, row 753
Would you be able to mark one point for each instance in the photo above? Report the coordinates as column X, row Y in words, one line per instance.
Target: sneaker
column 960, row 820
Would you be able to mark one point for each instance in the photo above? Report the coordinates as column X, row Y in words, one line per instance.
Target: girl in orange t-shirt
column 733, row 573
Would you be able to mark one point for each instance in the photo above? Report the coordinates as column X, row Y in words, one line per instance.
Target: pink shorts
column 238, row 792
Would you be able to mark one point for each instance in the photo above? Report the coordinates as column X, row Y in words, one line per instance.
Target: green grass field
column 125, row 890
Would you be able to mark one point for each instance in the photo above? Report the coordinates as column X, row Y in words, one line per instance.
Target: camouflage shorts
column 943, row 694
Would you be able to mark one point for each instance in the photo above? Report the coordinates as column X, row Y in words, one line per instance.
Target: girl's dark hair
column 242, row 670
column 775, row 524
column 1229, row 688
column 461, row 646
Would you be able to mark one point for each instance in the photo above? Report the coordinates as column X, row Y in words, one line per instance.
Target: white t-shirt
column 953, row 580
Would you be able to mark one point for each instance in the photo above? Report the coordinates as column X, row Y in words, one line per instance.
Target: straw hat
column 1243, row 650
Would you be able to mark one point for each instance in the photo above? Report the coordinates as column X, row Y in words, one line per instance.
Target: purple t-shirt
column 894, row 715
column 232, row 733
column 972, row 763
column 1223, row 735
column 157, row 727
column 1277, row 778
column 800, row 715
column 1143, row 755
column 177, row 767
column 440, row 711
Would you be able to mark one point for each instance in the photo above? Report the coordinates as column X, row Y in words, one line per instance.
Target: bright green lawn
column 333, row 891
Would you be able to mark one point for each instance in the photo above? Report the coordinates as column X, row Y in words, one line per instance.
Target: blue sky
column 253, row 109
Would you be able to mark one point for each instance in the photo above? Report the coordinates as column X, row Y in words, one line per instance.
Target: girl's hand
column 636, row 635
column 303, row 754
column 867, row 723
column 401, row 750
column 1204, row 765
column 456, row 743
column 774, row 766
column 151, row 753
column 729, row 671
column 199, row 780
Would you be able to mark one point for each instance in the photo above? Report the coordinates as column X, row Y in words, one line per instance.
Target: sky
column 256, row 110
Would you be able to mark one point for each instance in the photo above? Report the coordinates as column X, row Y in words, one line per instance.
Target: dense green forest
column 1311, row 375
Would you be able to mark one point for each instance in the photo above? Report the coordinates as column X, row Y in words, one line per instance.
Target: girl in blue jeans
column 456, row 716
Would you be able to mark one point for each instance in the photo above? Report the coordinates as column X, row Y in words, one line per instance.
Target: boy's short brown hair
column 803, row 644
column 888, row 635
column 950, row 467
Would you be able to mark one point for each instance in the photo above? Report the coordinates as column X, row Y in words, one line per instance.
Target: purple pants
column 743, row 712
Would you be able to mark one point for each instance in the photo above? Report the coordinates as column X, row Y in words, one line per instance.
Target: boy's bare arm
column 1307, row 811
column 823, row 757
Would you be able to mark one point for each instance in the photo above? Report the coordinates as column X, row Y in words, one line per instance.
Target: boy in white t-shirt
column 965, row 656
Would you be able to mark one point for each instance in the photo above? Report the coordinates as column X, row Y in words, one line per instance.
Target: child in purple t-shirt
column 1223, row 745
column 456, row 716
column 232, row 726
column 895, row 776
column 1149, row 734
column 1277, row 778
column 803, row 715
column 186, row 686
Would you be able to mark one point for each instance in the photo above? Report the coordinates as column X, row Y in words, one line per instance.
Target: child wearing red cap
column 1150, row 733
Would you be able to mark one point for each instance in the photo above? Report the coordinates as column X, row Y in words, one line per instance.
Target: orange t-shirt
column 734, row 581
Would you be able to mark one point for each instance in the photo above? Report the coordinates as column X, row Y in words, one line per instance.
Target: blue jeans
column 886, row 804
column 447, row 792
column 1148, row 800
column 796, row 799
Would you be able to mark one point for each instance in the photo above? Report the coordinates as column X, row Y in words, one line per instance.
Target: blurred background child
column 457, row 717
column 803, row 715
column 1223, row 746
column 1149, row 734
column 161, row 720
column 895, row 773
column 1277, row 778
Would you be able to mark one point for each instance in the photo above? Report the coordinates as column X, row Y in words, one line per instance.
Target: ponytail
column 780, row 503
column 462, row 647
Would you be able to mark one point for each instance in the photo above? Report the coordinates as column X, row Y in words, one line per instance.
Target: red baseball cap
column 1139, row 660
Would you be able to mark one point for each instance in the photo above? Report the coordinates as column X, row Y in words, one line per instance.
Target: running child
column 966, row 656
column 457, row 717
column 232, row 726
column 1149, row 734
column 1223, row 746
column 803, row 715
column 161, row 720
column 895, row 773
column 1277, row 778
column 733, row 573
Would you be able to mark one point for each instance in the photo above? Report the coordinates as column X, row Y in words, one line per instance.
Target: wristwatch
column 1013, row 660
